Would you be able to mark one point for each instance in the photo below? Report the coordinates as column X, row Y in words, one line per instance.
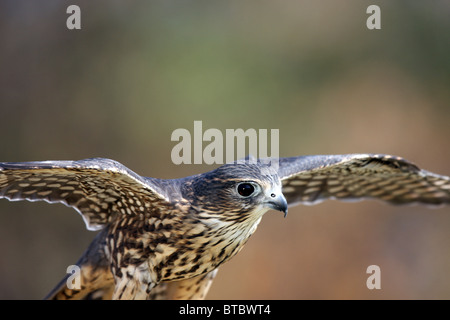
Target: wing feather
column 311, row 179
column 99, row 189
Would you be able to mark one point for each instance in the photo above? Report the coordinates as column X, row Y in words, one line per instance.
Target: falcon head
column 238, row 191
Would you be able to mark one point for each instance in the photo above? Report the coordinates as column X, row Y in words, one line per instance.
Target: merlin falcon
column 165, row 239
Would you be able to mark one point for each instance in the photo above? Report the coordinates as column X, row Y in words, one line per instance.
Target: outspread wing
column 99, row 189
column 311, row 179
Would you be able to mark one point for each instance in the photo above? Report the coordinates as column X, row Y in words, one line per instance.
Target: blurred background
column 137, row 70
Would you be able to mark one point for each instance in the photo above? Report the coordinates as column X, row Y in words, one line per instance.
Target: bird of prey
column 165, row 239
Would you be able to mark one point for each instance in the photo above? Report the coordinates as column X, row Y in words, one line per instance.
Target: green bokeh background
column 137, row 70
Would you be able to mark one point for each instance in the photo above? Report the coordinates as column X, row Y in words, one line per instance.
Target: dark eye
column 245, row 189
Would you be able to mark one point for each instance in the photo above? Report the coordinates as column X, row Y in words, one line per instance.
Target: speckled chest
column 173, row 244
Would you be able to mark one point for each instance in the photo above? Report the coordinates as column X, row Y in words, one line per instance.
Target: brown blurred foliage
column 137, row 70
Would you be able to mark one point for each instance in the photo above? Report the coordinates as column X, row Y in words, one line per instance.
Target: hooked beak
column 278, row 203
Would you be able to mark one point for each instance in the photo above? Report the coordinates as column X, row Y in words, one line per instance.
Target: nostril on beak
column 279, row 203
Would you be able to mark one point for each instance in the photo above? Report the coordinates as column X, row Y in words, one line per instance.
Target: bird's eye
column 245, row 189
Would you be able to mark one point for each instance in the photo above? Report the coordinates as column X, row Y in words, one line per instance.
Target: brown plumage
column 165, row 239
